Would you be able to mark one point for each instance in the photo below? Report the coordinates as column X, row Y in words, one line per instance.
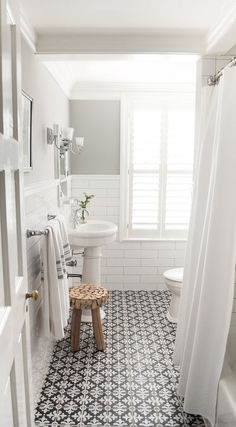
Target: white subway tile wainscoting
column 126, row 265
column 41, row 199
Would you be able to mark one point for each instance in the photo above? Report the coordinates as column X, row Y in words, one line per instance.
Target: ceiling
column 123, row 27
column 170, row 17
column 122, row 72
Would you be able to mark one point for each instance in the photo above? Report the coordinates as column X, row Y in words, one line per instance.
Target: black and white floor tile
column 131, row 384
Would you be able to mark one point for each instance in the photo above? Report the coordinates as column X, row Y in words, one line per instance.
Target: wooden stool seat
column 87, row 297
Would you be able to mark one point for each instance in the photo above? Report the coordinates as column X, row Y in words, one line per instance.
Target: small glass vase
column 83, row 215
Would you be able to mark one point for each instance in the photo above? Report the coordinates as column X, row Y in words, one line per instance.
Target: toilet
column 173, row 280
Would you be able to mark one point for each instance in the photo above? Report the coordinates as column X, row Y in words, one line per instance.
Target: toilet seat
column 174, row 275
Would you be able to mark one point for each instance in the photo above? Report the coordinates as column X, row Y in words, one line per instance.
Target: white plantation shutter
column 160, row 167
column 144, row 168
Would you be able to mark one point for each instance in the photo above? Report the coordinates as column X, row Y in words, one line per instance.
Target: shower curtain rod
column 214, row 79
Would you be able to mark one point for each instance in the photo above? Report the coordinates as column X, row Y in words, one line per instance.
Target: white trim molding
column 124, row 165
column 28, row 32
column 159, row 227
column 152, row 43
column 223, row 36
column 116, row 90
column 94, row 177
column 36, row 187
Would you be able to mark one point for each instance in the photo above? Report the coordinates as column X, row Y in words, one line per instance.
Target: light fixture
column 63, row 140
column 79, row 140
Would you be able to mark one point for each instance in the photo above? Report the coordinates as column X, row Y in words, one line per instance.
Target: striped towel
column 58, row 292
column 54, row 227
column 64, row 237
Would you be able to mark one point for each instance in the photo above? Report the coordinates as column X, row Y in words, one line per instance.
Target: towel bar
column 70, row 275
column 31, row 233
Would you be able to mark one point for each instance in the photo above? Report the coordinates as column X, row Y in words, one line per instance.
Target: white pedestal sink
column 92, row 236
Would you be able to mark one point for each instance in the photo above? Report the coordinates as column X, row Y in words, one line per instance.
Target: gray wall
column 99, row 123
column 50, row 105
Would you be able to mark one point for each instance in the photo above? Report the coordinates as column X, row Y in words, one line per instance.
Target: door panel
column 6, row 411
column 1, row 271
column 8, row 116
column 15, row 369
column 20, row 384
column 7, row 185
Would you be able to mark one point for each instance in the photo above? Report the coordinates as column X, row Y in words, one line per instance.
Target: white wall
column 50, row 105
column 99, row 122
column 131, row 264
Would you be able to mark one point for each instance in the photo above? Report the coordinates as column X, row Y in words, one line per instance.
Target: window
column 156, row 177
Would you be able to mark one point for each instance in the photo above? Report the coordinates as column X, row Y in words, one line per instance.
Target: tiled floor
column 132, row 384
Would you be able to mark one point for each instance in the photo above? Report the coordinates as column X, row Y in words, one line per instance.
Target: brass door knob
column 34, row 295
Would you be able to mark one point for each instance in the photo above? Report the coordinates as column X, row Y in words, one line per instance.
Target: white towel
column 63, row 255
column 64, row 236
column 57, row 281
column 59, row 251
column 45, row 315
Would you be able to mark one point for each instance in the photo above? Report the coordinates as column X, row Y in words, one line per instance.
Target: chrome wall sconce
column 63, row 140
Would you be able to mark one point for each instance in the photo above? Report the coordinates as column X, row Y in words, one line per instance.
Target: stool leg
column 75, row 329
column 97, row 329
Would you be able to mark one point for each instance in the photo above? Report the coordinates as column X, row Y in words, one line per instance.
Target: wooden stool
column 87, row 297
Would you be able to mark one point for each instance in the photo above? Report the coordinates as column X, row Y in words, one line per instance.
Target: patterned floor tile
column 131, row 384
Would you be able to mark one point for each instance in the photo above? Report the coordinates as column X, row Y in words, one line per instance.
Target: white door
column 15, row 393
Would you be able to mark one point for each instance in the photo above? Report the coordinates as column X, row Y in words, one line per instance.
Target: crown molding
column 56, row 74
column 53, row 44
column 115, row 90
column 222, row 37
column 28, row 32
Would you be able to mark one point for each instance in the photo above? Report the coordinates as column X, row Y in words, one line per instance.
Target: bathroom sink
column 92, row 234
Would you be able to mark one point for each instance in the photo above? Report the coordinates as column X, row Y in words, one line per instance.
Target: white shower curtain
column 208, row 284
